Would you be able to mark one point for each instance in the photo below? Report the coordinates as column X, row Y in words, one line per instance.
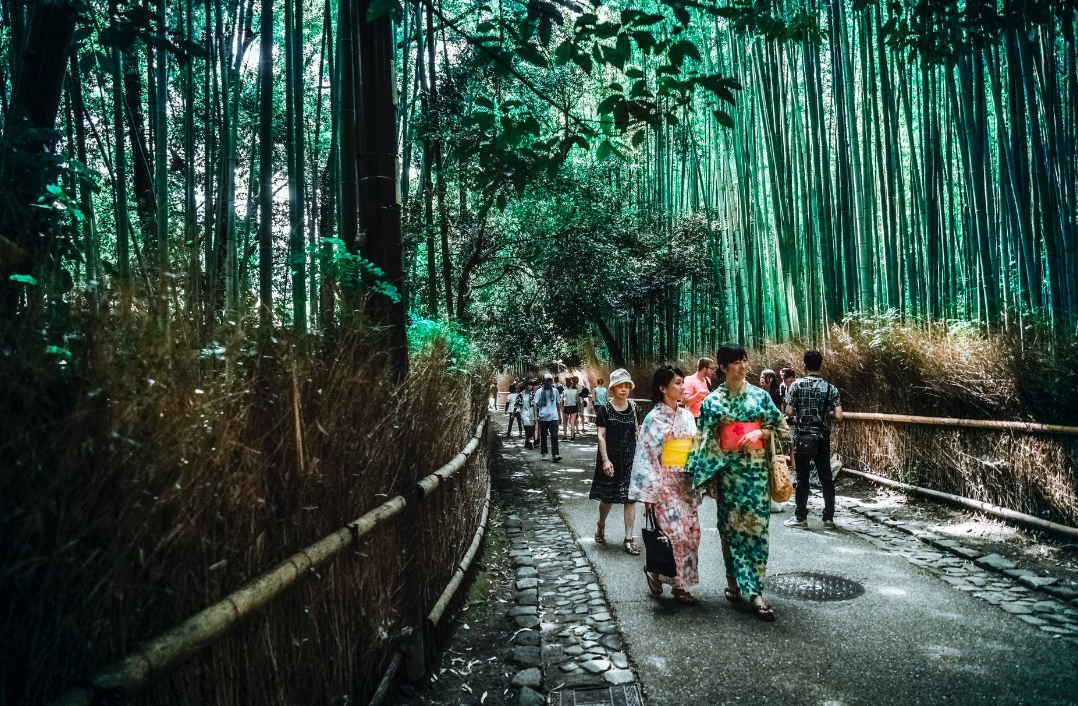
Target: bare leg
column 629, row 514
column 600, row 532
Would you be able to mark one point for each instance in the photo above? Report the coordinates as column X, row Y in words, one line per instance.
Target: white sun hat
column 619, row 376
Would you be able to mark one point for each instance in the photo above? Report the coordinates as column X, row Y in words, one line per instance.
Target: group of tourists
column 539, row 409
column 702, row 440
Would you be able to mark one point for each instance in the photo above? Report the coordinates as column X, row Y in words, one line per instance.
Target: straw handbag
column 778, row 476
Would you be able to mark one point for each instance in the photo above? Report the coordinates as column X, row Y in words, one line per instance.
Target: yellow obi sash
column 676, row 452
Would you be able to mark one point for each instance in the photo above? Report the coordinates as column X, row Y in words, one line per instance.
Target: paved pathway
column 932, row 627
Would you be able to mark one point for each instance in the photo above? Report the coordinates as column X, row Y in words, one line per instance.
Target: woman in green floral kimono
column 736, row 423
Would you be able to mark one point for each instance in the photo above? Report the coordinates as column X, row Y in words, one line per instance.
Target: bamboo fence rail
column 160, row 655
column 987, row 508
column 1030, row 427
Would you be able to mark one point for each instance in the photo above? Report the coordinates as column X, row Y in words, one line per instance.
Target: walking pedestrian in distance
column 736, row 422
column 698, row 385
column 615, row 423
column 788, row 377
column 659, row 481
column 813, row 402
column 569, row 400
column 600, row 395
column 585, row 394
column 549, row 407
column 769, row 383
column 526, row 410
column 514, row 411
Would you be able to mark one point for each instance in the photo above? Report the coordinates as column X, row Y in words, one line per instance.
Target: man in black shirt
column 813, row 402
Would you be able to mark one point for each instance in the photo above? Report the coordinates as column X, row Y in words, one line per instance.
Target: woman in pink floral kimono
column 659, row 480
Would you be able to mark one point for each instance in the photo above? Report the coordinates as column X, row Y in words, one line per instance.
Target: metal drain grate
column 814, row 587
column 628, row 695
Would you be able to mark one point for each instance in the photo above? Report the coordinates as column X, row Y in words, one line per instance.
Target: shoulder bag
column 778, row 476
column 658, row 552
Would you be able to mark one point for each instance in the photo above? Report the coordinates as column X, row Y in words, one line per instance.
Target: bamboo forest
column 267, row 265
column 664, row 177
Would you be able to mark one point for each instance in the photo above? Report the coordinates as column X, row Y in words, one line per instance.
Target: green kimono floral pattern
column 738, row 480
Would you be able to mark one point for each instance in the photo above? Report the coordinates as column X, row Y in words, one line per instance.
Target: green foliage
column 428, row 337
column 354, row 273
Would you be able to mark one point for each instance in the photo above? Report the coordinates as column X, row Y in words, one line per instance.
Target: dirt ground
column 1037, row 551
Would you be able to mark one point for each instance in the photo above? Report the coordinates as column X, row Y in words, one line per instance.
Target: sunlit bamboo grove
column 555, row 175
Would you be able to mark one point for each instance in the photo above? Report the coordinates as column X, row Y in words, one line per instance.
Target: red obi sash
column 730, row 434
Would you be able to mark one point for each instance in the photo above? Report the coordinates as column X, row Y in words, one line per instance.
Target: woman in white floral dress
column 659, row 480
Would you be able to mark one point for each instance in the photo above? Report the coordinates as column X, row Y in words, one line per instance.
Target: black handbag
column 658, row 553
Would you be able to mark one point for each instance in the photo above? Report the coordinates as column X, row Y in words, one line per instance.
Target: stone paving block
column 596, row 666
column 1033, row 620
column 526, row 621
column 528, row 677
column 527, row 638
column 527, row 656
column 1016, row 608
column 618, row 677
column 1037, row 581
column 523, row 610
column 530, row 697
column 527, row 583
column 1061, row 591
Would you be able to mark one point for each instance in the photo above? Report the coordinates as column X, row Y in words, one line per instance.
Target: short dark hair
column 730, row 353
column 704, row 363
column 787, row 373
column 662, row 378
column 813, row 360
column 600, row 381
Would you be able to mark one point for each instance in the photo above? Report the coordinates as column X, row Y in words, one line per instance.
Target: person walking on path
column 600, row 395
column 513, row 410
column 659, row 481
column 615, row 423
column 698, row 385
column 585, row 393
column 548, row 407
column 813, row 402
column 569, row 400
column 526, row 410
column 737, row 421
column 769, row 383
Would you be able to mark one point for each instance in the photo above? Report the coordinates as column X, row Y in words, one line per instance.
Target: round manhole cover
column 814, row 587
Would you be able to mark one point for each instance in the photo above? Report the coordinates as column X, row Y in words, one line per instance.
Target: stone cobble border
column 566, row 636
column 1034, row 599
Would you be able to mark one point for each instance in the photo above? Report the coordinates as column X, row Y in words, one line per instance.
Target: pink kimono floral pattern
column 670, row 489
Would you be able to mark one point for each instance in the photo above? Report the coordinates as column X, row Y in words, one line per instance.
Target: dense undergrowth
column 882, row 364
column 143, row 481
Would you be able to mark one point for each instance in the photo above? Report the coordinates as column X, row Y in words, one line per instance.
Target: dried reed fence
column 138, row 489
column 883, row 366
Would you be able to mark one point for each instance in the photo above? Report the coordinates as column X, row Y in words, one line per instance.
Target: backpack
column 808, row 440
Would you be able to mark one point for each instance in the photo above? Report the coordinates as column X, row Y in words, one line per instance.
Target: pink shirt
column 695, row 392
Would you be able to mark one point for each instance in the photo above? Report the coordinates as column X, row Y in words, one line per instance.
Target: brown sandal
column 762, row 610
column 684, row 597
column 630, row 547
column 600, row 533
column 733, row 595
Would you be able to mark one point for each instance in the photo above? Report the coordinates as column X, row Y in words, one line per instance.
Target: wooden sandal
column 630, row 547
column 733, row 595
